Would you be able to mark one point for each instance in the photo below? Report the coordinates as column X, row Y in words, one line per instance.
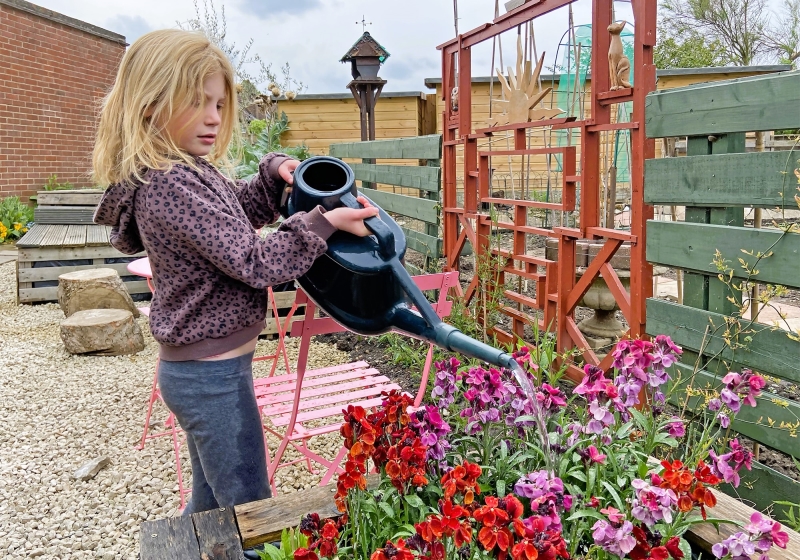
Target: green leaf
column 387, row 509
column 270, row 552
column 501, row 488
column 617, row 500
column 594, row 514
column 414, row 501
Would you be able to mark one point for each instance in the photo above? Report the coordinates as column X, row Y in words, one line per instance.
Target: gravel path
column 61, row 411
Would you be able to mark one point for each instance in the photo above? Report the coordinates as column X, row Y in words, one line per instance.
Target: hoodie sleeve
column 261, row 197
column 190, row 218
column 116, row 210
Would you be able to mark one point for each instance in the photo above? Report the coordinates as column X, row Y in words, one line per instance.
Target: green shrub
column 52, row 184
column 268, row 140
column 15, row 218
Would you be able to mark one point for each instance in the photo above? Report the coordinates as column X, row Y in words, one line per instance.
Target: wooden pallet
column 66, row 243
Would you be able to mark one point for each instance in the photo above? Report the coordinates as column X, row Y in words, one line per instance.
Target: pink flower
column 595, row 456
column 614, row 515
column 652, row 504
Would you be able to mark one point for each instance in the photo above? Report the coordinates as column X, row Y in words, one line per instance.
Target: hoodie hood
column 116, row 209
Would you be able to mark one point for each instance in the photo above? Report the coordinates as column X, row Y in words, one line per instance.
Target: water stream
column 539, row 416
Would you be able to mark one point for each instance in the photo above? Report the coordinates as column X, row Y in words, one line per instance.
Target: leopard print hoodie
column 210, row 268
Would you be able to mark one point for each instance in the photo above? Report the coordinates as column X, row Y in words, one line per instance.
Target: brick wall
column 54, row 70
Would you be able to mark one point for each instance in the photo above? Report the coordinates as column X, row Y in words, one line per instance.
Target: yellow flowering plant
column 16, row 218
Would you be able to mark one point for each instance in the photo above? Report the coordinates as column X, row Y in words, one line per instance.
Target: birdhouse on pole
column 365, row 58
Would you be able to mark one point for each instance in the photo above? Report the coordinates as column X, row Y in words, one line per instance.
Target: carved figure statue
column 618, row 64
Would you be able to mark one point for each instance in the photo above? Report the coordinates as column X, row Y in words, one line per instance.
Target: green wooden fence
column 425, row 178
column 715, row 182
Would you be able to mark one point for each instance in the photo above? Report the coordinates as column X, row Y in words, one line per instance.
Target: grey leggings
column 215, row 405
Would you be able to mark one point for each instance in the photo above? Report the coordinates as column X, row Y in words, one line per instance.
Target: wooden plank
column 744, row 105
column 35, row 295
column 263, row 521
column 71, row 253
column 168, row 539
column 423, row 243
column 64, row 215
column 54, row 236
column 420, row 147
column 83, row 197
column 424, row 178
column 770, row 351
column 97, row 235
column 757, row 179
column 75, row 237
column 46, row 273
column 34, row 236
column 762, row 487
column 410, row 206
column 217, row 535
column 769, row 423
column 692, row 246
column 705, row 535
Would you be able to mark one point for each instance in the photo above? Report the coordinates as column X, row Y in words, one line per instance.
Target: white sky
column 312, row 35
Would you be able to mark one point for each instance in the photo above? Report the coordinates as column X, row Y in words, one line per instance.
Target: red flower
column 305, row 554
column 393, row 552
column 463, row 479
column 648, row 546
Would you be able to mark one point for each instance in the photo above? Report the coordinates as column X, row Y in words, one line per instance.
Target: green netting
column 569, row 93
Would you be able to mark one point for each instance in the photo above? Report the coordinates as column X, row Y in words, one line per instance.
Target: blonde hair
column 161, row 75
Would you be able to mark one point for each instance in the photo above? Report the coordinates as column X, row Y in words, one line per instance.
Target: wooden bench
column 223, row 533
column 380, row 183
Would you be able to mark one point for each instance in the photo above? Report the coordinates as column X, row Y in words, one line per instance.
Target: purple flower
column 766, row 532
column 444, row 385
column 714, row 405
column 724, row 420
column 741, row 389
column 615, row 539
column 551, row 400
column 737, row 546
column 675, row 427
column 601, row 418
column 652, row 504
column 722, row 467
column 432, row 430
column 546, row 495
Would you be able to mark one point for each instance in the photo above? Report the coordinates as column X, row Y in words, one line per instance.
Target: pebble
column 60, row 411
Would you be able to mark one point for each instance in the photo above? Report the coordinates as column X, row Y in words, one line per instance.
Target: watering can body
column 360, row 282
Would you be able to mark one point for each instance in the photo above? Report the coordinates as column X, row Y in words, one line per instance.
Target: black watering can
column 361, row 282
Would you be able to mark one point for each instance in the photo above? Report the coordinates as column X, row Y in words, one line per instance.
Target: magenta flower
column 766, row 532
column 595, row 456
column 721, row 465
column 432, row 430
column 652, row 504
column 551, row 399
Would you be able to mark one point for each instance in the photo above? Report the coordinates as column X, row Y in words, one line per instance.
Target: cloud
column 268, row 9
column 132, row 27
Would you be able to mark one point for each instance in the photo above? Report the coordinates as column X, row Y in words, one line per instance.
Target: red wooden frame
column 557, row 292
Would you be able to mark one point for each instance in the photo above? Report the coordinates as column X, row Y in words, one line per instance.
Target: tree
column 784, row 38
column 740, row 27
column 215, row 27
column 687, row 50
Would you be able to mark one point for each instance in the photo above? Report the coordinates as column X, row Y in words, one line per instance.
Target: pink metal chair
column 292, row 400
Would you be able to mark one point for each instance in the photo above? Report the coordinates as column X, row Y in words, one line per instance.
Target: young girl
column 169, row 118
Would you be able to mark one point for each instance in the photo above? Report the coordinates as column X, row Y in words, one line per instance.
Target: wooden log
column 217, row 535
column 105, row 332
column 94, row 288
column 169, row 539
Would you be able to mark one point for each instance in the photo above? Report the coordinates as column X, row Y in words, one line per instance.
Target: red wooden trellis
column 557, row 292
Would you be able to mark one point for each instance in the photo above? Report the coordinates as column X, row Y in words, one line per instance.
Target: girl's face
column 194, row 130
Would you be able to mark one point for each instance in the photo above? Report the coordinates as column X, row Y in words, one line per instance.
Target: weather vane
column 364, row 23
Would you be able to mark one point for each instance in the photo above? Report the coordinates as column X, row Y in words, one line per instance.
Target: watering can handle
column 377, row 226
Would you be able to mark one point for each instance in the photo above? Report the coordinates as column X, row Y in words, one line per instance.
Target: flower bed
column 470, row 476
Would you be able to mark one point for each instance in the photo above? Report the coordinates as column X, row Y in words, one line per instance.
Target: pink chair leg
column 153, row 398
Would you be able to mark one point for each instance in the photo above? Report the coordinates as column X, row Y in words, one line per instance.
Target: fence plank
column 743, row 105
column 762, row 487
column 423, row 178
column 419, row 147
column 410, row 206
column 752, row 422
column 53, row 272
column 83, row 197
column 423, row 243
column 762, row 179
column 692, row 246
column 770, row 351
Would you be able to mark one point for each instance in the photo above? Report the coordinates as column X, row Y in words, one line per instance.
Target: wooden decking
column 65, row 243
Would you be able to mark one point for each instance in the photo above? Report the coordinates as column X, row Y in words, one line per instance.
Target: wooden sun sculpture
column 523, row 93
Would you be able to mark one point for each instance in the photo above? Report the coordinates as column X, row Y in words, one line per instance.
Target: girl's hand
column 351, row 219
column 286, row 170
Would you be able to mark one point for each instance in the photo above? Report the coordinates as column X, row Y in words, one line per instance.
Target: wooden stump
column 107, row 332
column 94, row 288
